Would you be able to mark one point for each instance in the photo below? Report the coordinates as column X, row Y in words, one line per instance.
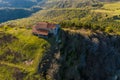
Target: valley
column 7, row 14
column 11, row 10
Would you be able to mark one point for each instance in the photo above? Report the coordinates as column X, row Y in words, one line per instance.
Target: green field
column 22, row 51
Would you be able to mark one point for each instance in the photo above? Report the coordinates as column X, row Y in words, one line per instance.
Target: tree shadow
column 46, row 64
column 80, row 57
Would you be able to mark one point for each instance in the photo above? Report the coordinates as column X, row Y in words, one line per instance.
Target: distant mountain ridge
column 68, row 3
column 18, row 3
column 72, row 3
column 49, row 3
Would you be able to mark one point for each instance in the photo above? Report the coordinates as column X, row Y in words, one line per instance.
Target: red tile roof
column 43, row 28
column 45, row 25
column 51, row 26
column 42, row 32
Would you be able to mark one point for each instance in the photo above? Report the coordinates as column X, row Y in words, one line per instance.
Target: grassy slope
column 24, row 47
column 110, row 8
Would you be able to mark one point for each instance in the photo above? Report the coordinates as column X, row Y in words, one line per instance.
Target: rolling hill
column 20, row 5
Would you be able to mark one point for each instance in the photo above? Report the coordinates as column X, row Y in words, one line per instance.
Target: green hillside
column 20, row 52
column 89, row 18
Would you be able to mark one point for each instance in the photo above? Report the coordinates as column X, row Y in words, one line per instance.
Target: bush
column 108, row 29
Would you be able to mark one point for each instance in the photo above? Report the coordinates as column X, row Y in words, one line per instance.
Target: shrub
column 108, row 29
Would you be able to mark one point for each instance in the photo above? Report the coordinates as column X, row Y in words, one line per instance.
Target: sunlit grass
column 112, row 6
column 28, row 45
column 109, row 8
